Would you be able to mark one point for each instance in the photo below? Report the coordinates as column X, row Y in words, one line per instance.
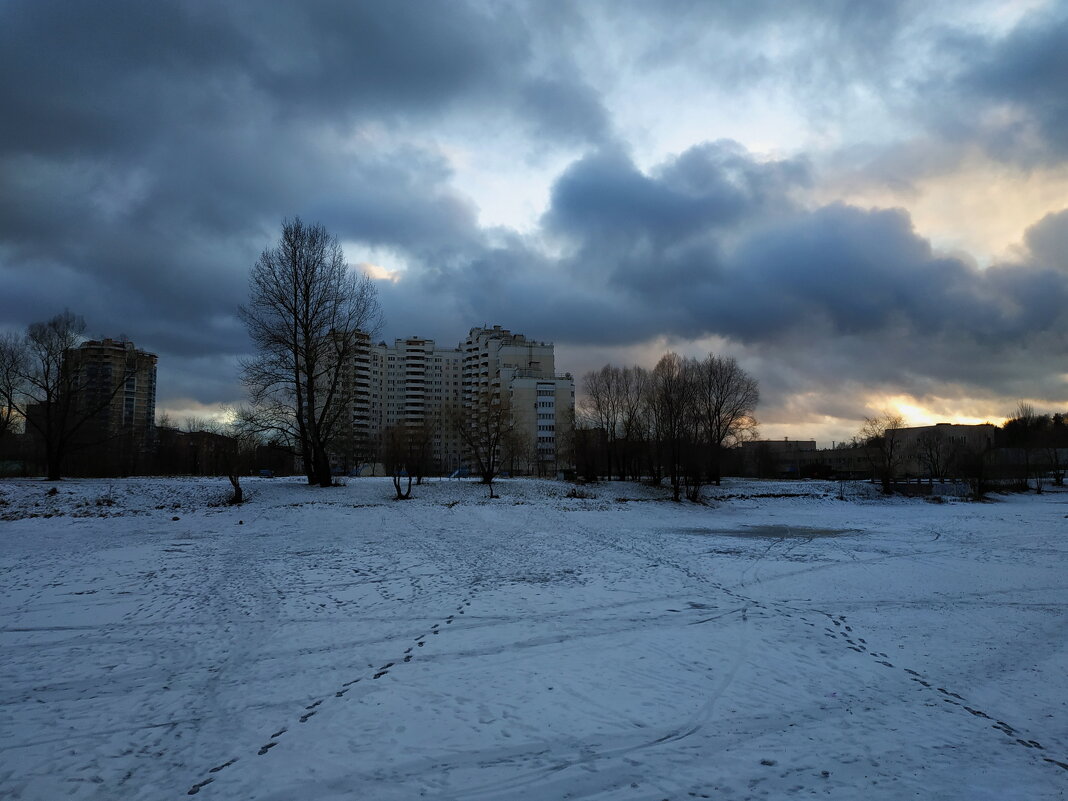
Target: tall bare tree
column 634, row 418
column 671, row 394
column 602, row 405
column 305, row 309
column 726, row 400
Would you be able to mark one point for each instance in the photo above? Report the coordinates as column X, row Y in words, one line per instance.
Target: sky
column 866, row 204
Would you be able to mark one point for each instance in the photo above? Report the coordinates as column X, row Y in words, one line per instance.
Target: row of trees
column 673, row 421
column 1029, row 447
column 486, row 429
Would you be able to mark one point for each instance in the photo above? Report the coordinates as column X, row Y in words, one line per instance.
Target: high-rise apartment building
column 412, row 383
column 115, row 386
column 501, row 367
column 416, row 383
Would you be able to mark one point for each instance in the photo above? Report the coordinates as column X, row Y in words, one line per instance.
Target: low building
column 772, row 458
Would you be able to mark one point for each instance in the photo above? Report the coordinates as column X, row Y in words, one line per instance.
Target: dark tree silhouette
column 726, row 401
column 306, row 307
column 58, row 402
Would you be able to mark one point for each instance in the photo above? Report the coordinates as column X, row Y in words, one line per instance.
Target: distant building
column 420, row 385
column 938, row 451
column 413, row 383
column 932, row 450
column 502, row 367
column 772, row 458
column 116, row 389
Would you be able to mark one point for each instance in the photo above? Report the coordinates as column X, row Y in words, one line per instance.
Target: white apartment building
column 502, row 367
column 416, row 382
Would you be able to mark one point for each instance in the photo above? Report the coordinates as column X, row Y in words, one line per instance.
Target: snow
column 336, row 644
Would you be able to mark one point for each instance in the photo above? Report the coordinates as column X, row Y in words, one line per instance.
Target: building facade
column 423, row 389
column 116, row 391
column 504, row 368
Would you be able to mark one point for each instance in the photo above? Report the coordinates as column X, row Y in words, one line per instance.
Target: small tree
column 882, row 438
column 977, row 465
column 936, row 454
column 396, row 447
column 485, row 427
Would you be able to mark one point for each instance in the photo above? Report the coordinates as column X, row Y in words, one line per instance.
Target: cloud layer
column 150, row 152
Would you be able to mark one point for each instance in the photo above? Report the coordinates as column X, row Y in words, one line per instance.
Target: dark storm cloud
column 149, row 151
column 649, row 233
column 1021, row 82
column 711, row 244
column 103, row 76
column 1005, row 94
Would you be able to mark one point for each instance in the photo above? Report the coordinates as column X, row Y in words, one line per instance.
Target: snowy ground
column 335, row 644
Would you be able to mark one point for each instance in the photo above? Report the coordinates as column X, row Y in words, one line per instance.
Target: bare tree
column 396, row 449
column 882, row 438
column 604, row 401
column 1056, row 447
column 937, row 454
column 485, row 428
column 726, row 398
column 12, row 368
column 57, row 402
column 635, row 422
column 305, row 310
column 671, row 392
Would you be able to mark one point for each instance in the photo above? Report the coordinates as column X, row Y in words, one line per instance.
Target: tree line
column 1027, row 450
column 674, row 421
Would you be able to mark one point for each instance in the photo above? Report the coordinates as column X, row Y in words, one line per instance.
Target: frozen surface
column 335, row 644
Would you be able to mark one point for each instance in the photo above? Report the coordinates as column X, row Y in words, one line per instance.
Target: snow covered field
column 336, row 644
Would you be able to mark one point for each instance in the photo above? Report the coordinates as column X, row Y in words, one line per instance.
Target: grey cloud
column 119, row 76
column 649, row 233
column 711, row 245
column 563, row 110
column 1047, row 240
column 1026, row 72
column 150, row 151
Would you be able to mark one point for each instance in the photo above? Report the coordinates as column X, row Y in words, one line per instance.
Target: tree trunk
column 54, row 463
column 322, row 467
column 238, row 496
